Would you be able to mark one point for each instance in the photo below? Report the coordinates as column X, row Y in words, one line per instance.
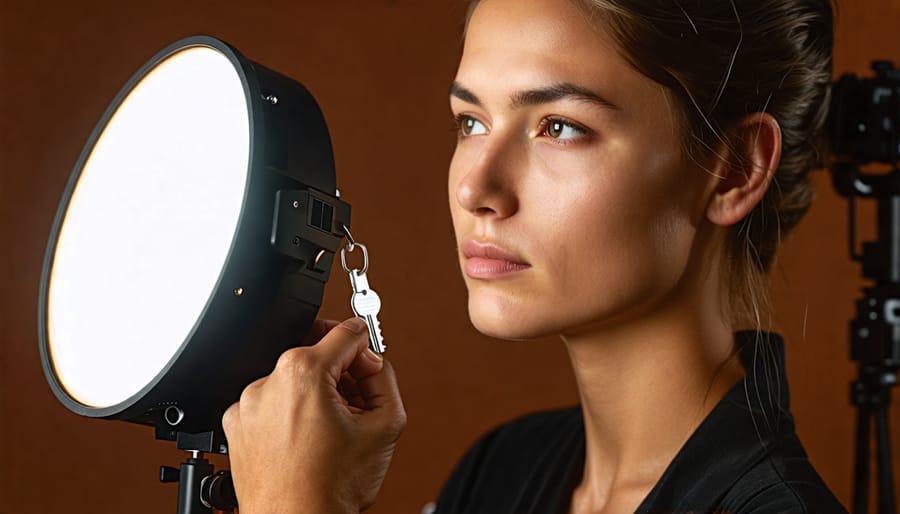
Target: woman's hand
column 317, row 435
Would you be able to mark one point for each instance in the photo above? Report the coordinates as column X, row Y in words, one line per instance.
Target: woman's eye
column 469, row 126
column 561, row 129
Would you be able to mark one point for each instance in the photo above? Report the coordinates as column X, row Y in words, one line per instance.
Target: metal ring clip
column 349, row 248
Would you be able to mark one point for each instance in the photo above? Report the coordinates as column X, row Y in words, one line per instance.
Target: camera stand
column 875, row 332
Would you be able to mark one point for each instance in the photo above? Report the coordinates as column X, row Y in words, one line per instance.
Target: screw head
column 238, row 291
column 296, row 204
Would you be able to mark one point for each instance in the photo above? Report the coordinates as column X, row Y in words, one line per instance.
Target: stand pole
column 861, row 475
column 886, row 502
column 193, row 471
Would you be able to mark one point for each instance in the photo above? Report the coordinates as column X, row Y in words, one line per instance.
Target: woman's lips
column 487, row 260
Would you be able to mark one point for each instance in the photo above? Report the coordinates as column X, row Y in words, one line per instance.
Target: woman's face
column 572, row 202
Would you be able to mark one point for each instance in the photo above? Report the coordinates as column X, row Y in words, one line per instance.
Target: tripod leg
column 861, row 476
column 887, row 503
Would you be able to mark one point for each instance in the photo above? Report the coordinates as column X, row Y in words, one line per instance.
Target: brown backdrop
column 380, row 70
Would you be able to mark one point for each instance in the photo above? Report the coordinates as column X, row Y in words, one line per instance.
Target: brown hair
column 721, row 60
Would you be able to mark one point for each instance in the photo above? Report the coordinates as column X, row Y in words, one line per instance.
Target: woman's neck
column 645, row 387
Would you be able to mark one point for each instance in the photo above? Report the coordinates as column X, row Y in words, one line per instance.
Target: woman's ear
column 745, row 169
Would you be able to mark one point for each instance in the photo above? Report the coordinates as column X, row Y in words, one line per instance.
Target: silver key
column 366, row 304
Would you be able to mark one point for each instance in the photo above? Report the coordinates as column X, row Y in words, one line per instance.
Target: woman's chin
column 505, row 322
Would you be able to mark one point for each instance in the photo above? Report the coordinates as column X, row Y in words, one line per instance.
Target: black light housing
column 283, row 223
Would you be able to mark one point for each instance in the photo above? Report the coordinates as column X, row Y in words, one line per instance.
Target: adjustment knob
column 169, row 474
column 217, row 492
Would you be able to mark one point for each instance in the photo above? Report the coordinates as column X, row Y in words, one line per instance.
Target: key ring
column 349, row 248
column 365, row 253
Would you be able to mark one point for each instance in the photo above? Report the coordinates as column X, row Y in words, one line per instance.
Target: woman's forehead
column 515, row 45
column 537, row 25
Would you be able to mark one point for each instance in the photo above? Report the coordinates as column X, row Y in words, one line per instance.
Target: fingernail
column 374, row 357
column 355, row 325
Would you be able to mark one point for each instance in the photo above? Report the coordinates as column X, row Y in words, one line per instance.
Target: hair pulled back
column 722, row 60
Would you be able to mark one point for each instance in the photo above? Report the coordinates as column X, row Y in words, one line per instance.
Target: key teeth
column 377, row 327
column 380, row 341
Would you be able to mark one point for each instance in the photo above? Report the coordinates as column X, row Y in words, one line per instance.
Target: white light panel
column 148, row 227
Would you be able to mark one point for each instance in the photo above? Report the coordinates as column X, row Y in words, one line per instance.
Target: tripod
column 875, row 332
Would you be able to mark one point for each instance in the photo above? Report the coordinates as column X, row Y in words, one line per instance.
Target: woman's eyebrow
column 552, row 93
column 464, row 94
column 559, row 91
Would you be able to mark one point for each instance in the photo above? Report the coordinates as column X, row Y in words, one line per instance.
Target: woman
column 623, row 174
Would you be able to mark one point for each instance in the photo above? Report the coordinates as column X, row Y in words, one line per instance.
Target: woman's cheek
column 575, row 168
column 554, row 159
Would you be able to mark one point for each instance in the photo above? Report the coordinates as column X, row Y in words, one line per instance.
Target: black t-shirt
column 743, row 458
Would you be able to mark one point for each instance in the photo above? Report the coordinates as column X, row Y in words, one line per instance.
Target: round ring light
column 192, row 243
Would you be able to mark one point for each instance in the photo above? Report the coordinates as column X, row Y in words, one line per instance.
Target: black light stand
column 863, row 122
column 875, row 332
column 864, row 127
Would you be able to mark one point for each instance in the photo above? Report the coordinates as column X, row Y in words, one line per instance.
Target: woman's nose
column 488, row 184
